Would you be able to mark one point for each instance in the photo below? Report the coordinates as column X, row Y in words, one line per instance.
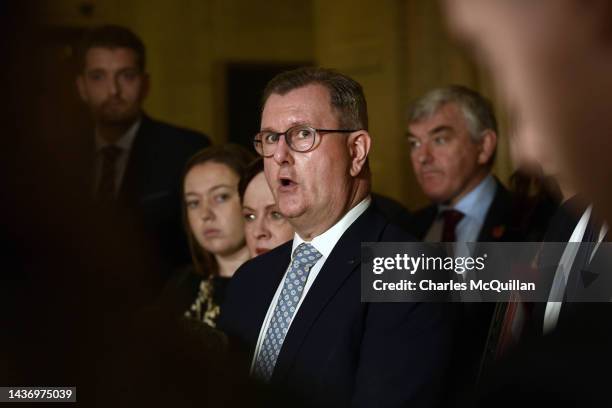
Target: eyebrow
column 292, row 124
column 246, row 207
column 96, row 70
column 210, row 190
column 436, row 130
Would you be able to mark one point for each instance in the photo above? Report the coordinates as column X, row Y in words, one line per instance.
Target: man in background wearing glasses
column 297, row 308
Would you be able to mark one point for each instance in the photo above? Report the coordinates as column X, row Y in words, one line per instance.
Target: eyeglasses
column 298, row 138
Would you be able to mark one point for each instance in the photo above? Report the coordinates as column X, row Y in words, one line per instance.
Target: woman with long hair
column 212, row 217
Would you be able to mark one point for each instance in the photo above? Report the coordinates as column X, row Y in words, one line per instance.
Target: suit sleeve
column 405, row 355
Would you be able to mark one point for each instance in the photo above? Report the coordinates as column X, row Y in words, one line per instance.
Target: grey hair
column 476, row 109
column 346, row 94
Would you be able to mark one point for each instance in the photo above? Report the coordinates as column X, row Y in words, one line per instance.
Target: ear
column 487, row 146
column 80, row 82
column 359, row 147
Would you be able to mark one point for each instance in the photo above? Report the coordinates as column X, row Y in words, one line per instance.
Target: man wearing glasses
column 297, row 308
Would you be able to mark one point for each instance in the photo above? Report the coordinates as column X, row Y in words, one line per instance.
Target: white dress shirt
column 323, row 243
column 125, row 142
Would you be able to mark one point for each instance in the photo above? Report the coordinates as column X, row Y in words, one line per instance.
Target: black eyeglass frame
column 258, row 144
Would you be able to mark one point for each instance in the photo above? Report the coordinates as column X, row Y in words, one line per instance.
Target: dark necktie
column 108, row 174
column 451, row 218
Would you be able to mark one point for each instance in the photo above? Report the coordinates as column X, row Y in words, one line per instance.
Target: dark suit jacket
column 339, row 350
column 474, row 319
column 591, row 281
column 392, row 210
column 541, row 367
column 560, row 229
column 151, row 185
column 496, row 225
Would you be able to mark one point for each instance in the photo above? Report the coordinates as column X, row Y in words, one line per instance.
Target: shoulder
column 387, row 205
column 374, row 226
column 503, row 200
column 422, row 220
column 392, row 210
column 185, row 276
column 425, row 212
column 396, row 233
column 175, row 134
column 502, row 194
column 253, row 271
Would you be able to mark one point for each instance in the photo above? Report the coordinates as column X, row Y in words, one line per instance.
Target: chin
column 215, row 246
column 437, row 197
column 118, row 118
column 290, row 209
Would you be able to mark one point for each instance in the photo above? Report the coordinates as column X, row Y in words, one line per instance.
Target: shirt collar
column 476, row 203
column 125, row 141
column 326, row 242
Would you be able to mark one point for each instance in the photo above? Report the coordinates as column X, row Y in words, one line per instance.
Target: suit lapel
column 269, row 277
column 495, row 225
column 343, row 261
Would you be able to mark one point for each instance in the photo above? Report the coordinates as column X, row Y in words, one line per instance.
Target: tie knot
column 111, row 153
column 306, row 253
column 452, row 217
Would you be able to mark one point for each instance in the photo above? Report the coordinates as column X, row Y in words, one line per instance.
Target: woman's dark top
column 195, row 296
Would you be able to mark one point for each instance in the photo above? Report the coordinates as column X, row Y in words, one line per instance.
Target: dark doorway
column 245, row 84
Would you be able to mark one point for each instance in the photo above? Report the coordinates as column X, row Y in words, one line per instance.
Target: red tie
column 451, row 219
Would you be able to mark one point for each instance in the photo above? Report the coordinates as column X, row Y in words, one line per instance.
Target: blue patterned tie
column 304, row 257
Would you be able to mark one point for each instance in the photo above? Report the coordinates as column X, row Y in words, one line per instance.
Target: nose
column 206, row 213
column 261, row 230
column 424, row 155
column 283, row 152
column 114, row 86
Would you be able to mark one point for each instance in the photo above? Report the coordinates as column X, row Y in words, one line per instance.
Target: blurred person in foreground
column 551, row 61
column 538, row 186
column 74, row 281
column 265, row 227
column 132, row 161
column 538, row 166
column 296, row 311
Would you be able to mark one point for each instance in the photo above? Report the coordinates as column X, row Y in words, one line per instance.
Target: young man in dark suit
column 296, row 310
column 137, row 161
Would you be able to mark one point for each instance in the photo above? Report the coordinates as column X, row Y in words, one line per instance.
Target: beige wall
column 397, row 49
column 433, row 60
column 362, row 39
column 189, row 41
